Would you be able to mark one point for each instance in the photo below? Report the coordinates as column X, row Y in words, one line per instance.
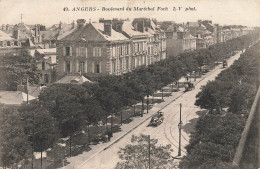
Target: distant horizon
column 48, row 13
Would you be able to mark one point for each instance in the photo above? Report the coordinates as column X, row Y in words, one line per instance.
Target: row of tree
column 217, row 134
column 64, row 110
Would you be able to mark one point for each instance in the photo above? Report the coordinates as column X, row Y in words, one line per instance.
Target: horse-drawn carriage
column 157, row 119
column 189, row 86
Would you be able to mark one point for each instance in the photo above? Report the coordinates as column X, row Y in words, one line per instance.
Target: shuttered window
column 97, row 52
column 82, row 52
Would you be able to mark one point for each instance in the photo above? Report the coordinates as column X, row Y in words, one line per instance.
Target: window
column 141, row 47
column 121, row 50
column 149, row 52
column 127, row 49
column 136, row 47
column 81, row 67
column 68, row 51
column 43, row 65
column 96, row 52
column 127, row 63
column 97, row 67
column 114, row 51
column 133, row 62
column 83, row 52
column 121, row 64
column 67, row 66
column 113, row 66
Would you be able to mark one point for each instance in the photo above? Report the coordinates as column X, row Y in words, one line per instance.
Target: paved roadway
column 166, row 133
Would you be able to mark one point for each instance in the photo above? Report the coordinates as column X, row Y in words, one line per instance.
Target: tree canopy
column 15, row 69
column 136, row 155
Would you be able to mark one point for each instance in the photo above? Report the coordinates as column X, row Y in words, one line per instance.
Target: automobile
column 157, row 119
column 189, row 86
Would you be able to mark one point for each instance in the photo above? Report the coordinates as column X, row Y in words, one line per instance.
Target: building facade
column 179, row 40
column 110, row 47
column 9, row 45
column 46, row 63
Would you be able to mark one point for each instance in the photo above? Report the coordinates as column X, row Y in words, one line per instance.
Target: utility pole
column 179, row 125
column 149, row 152
column 147, row 103
column 27, row 92
column 111, row 124
column 162, row 93
column 33, row 143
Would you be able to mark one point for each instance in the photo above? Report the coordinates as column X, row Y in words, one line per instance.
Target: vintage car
column 156, row 119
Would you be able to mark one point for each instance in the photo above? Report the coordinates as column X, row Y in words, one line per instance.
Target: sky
column 49, row 12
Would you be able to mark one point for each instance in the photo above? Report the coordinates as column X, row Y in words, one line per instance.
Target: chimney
column 3, row 27
column 36, row 33
column 7, row 27
column 139, row 25
column 73, row 24
column 199, row 21
column 135, row 26
column 107, row 26
column 117, row 25
column 81, row 22
column 16, row 32
column 60, row 25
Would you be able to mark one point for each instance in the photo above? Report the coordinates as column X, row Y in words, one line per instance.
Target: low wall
column 244, row 136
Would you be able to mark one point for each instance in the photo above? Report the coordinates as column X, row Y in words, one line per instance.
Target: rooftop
column 4, row 36
column 14, row 97
column 94, row 32
column 47, row 51
column 73, row 79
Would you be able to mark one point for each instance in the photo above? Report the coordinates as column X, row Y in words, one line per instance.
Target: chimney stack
column 81, row 22
column 117, row 25
column 107, row 26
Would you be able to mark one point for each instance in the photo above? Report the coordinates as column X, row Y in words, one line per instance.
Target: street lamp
column 179, row 126
column 147, row 103
column 149, row 152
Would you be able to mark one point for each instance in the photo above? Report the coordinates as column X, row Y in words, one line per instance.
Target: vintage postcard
column 129, row 84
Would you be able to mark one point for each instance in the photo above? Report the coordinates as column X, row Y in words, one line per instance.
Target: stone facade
column 110, row 47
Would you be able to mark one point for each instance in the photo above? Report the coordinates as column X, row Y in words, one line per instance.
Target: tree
column 242, row 97
column 214, row 141
column 136, row 155
column 69, row 105
column 39, row 125
column 14, row 70
column 14, row 145
column 211, row 97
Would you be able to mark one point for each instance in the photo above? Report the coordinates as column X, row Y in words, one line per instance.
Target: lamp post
column 112, row 124
column 179, row 126
column 147, row 103
column 149, row 152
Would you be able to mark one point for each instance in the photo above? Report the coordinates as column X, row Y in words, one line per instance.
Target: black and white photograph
column 129, row 84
